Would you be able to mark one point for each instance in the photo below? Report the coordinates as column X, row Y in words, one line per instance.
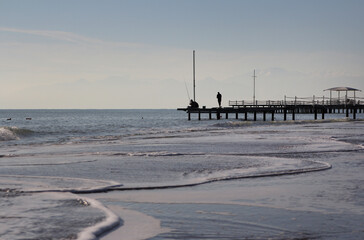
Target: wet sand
column 325, row 205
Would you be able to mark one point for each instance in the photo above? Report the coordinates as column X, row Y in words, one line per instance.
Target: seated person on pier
column 193, row 104
column 350, row 101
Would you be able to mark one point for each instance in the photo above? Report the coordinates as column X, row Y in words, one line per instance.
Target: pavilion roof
column 342, row 89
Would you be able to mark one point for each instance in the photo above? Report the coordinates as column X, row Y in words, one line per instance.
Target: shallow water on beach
column 49, row 164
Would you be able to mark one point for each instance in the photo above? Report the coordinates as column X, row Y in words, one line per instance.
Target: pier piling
column 285, row 114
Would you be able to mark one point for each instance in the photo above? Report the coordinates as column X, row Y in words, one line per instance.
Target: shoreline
column 136, row 225
column 309, row 205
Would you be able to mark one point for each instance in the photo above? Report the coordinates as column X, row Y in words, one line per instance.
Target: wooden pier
column 268, row 111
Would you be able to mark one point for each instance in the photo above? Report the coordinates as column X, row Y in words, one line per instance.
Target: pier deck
column 272, row 109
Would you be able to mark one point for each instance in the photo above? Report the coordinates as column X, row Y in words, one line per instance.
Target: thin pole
column 194, row 78
column 338, row 96
column 254, row 76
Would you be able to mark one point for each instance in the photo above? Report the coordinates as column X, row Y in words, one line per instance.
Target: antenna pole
column 254, row 76
column 194, row 78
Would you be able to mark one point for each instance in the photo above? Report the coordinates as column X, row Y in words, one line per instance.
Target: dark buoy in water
column 9, row 119
column 28, row 118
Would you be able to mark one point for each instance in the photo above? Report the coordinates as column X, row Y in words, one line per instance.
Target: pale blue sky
column 138, row 54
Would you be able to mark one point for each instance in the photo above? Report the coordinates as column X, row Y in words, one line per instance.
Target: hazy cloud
column 58, row 35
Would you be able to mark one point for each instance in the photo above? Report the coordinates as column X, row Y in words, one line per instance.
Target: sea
column 52, row 162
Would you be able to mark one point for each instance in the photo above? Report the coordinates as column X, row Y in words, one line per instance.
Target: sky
column 137, row 54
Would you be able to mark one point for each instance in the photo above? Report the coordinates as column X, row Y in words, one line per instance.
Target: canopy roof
column 342, row 89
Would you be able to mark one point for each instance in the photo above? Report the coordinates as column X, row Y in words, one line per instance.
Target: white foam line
column 94, row 232
column 97, row 189
column 137, row 226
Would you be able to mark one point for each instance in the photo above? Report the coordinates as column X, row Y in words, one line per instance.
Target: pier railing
column 324, row 101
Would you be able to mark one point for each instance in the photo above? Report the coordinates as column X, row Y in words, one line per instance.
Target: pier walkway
column 269, row 108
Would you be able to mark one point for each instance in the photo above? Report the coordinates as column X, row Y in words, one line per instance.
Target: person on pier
column 219, row 97
column 193, row 104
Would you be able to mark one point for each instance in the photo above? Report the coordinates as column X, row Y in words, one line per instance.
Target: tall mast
column 254, row 76
column 194, row 79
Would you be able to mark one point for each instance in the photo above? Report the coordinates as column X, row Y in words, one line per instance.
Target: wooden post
column 285, row 114
column 315, row 111
column 323, row 113
column 227, row 115
column 272, row 115
column 236, row 115
column 199, row 115
column 210, row 117
column 255, row 115
column 246, row 116
column 293, row 114
column 347, row 111
column 354, row 113
column 189, row 116
column 264, row 116
column 218, row 114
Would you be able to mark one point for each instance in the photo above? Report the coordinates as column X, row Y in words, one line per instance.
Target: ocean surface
column 50, row 163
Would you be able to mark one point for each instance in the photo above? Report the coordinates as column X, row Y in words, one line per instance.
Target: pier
column 318, row 107
column 289, row 106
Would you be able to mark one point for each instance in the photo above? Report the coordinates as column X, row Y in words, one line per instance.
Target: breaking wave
column 13, row 133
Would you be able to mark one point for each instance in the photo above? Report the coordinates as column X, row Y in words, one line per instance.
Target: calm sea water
column 49, row 162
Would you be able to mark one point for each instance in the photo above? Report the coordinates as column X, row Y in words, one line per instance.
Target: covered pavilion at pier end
column 346, row 99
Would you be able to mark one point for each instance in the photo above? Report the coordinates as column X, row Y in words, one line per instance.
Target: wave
column 241, row 123
column 149, row 154
column 38, row 184
column 227, row 175
column 13, row 133
column 40, row 164
column 43, row 184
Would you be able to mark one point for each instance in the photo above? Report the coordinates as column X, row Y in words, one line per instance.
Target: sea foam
column 8, row 133
column 93, row 232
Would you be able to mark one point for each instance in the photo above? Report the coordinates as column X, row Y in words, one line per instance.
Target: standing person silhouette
column 219, row 97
